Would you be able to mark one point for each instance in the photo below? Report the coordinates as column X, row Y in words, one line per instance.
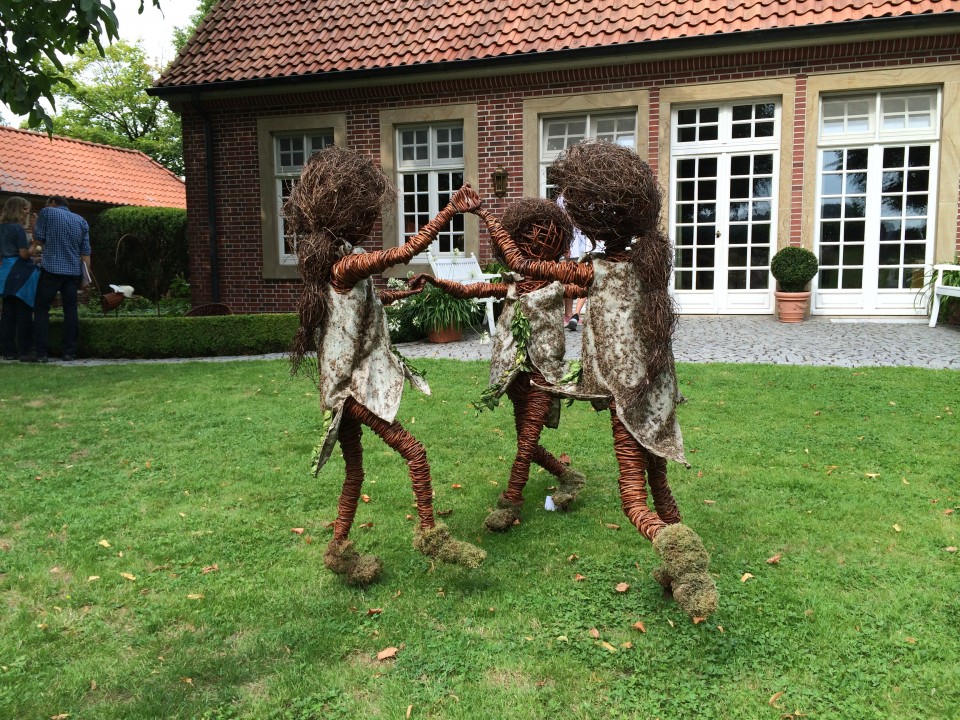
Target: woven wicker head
column 339, row 194
column 541, row 230
column 609, row 191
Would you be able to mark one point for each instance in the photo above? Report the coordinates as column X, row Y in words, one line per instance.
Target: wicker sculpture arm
column 565, row 272
column 574, row 291
column 460, row 291
column 391, row 296
column 351, row 269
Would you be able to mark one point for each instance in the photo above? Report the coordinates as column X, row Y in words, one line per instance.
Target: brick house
column 832, row 125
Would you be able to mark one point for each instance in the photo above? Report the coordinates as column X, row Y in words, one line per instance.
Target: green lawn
column 148, row 567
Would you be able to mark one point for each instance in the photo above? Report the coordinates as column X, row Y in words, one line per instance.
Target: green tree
column 35, row 31
column 182, row 35
column 106, row 102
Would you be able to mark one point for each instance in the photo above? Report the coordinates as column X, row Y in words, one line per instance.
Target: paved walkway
column 743, row 339
column 763, row 339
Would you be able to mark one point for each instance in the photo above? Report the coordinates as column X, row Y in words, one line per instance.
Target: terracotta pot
column 792, row 306
column 445, row 335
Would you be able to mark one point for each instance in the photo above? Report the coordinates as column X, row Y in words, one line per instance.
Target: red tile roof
column 31, row 163
column 243, row 40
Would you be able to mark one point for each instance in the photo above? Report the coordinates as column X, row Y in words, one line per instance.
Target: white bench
column 940, row 290
column 463, row 269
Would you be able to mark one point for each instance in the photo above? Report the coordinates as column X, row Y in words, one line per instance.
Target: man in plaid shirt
column 65, row 237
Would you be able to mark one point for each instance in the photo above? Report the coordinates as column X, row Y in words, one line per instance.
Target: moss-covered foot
column 504, row 517
column 357, row 569
column 438, row 543
column 685, row 568
column 568, row 487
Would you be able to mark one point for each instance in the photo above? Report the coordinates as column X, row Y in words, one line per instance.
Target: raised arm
column 350, row 270
column 460, row 291
column 388, row 297
column 565, row 272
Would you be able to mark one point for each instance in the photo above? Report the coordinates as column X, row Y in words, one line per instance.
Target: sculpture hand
column 419, row 281
column 466, row 199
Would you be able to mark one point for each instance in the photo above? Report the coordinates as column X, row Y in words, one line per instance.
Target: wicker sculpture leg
column 663, row 500
column 431, row 539
column 530, row 410
column 340, row 556
column 685, row 559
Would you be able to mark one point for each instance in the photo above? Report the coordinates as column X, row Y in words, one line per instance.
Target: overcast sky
column 153, row 27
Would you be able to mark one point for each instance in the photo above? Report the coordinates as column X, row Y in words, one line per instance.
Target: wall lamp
column 499, row 181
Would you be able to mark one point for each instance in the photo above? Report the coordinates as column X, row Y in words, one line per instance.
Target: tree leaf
column 775, row 560
column 128, row 576
column 594, row 633
column 579, row 578
column 745, row 577
column 387, row 653
column 772, row 702
column 103, row 543
column 638, row 625
column 297, row 531
column 622, row 587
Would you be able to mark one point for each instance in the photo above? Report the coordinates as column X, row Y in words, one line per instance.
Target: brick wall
column 500, row 117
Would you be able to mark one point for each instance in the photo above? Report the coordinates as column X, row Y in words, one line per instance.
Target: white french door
column 723, row 205
column 875, row 201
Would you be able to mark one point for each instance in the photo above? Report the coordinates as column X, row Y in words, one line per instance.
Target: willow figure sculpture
column 528, row 349
column 613, row 197
column 332, row 209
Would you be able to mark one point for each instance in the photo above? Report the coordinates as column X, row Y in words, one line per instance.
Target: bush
column 434, row 310
column 164, row 337
column 794, row 267
column 140, row 246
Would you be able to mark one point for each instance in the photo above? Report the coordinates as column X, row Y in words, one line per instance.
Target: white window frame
column 433, row 166
column 311, row 142
column 869, row 297
column 277, row 264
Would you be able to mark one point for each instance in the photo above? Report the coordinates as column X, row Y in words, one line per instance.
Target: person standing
column 18, row 282
column 65, row 237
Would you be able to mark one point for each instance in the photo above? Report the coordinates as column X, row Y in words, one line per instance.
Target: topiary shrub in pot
column 793, row 267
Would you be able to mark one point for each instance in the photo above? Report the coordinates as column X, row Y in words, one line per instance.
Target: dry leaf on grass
column 297, row 531
column 366, row 525
column 195, row 596
column 210, row 569
column 745, row 577
column 622, row 587
column 128, row 576
column 571, row 558
column 579, row 578
column 374, row 611
column 103, row 543
column 612, row 526
column 772, row 702
column 564, row 458
column 897, row 528
column 775, row 560
column 365, row 498
column 594, row 633
column 444, row 513
column 456, row 486
column 638, row 625
column 709, row 502
column 387, row 653
column 608, row 646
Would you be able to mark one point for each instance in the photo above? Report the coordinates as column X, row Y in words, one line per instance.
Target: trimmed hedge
column 145, row 247
column 166, row 337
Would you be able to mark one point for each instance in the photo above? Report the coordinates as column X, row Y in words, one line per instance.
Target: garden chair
column 464, row 269
column 941, row 290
